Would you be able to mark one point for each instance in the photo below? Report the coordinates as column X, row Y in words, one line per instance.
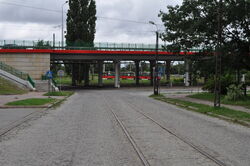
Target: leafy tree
column 194, row 24
column 178, row 69
column 81, row 23
column 41, row 44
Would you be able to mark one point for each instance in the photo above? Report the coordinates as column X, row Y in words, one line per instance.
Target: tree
column 194, row 25
column 41, row 44
column 81, row 24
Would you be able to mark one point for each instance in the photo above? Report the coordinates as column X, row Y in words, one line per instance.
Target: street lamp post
column 217, row 89
column 156, row 81
column 63, row 25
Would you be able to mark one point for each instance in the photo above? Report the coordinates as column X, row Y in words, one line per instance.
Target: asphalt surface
column 83, row 131
column 8, row 116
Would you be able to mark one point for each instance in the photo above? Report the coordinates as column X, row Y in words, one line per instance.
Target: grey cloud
column 107, row 30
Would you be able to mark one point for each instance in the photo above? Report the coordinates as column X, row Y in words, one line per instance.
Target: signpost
column 60, row 73
column 49, row 76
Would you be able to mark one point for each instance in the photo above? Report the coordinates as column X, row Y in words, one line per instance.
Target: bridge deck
column 105, row 55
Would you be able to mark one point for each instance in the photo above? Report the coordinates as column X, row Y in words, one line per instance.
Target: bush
column 178, row 82
column 234, row 92
column 226, row 81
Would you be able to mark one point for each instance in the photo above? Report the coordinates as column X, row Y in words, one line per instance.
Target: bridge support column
column 73, row 69
column 152, row 65
column 168, row 69
column 187, row 76
column 117, row 74
column 86, row 74
column 137, row 73
column 100, row 73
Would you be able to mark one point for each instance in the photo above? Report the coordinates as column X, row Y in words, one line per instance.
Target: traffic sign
column 49, row 74
column 60, row 73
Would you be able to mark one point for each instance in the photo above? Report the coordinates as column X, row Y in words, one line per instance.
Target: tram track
column 192, row 145
column 19, row 122
column 130, row 138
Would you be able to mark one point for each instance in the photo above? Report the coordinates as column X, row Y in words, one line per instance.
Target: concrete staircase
column 17, row 77
column 42, row 86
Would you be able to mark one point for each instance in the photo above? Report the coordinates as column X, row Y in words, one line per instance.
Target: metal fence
column 13, row 71
column 27, row 43
column 17, row 73
column 40, row 44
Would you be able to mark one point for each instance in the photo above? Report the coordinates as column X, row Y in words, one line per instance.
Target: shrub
column 234, row 92
column 226, row 81
column 178, row 82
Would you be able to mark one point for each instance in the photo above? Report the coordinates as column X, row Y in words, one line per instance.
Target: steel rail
column 204, row 153
column 130, row 138
column 20, row 121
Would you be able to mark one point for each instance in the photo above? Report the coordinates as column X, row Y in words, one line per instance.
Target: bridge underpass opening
column 111, row 73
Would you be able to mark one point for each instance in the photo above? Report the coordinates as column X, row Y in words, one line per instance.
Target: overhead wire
column 59, row 12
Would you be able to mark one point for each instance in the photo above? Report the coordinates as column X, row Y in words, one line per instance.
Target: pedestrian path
column 185, row 98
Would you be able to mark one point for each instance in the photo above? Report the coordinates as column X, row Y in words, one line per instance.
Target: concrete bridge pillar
column 137, row 73
column 187, row 74
column 117, row 74
column 86, row 74
column 152, row 65
column 100, row 73
column 168, row 69
column 73, row 69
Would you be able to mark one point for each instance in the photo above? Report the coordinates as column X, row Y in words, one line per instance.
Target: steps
column 42, row 86
column 24, row 80
column 21, row 79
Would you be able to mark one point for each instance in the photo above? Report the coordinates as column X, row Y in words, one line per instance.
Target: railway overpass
column 36, row 60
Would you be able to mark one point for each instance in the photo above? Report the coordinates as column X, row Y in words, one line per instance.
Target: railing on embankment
column 17, row 73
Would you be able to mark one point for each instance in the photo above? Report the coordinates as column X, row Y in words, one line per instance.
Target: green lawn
column 245, row 102
column 7, row 88
column 61, row 93
column 32, row 102
column 94, row 82
column 233, row 115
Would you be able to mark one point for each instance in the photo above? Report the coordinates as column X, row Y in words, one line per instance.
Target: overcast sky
column 39, row 19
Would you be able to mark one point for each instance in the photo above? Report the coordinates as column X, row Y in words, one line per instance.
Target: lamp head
column 151, row 22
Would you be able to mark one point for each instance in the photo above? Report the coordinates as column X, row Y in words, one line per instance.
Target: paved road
column 83, row 131
column 8, row 116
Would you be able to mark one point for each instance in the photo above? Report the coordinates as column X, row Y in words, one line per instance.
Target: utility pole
column 63, row 25
column 54, row 41
column 217, row 88
column 156, row 81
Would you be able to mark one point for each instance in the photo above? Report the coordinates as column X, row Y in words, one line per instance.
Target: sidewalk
column 185, row 98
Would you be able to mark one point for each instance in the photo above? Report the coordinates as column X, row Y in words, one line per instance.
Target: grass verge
column 61, row 93
column 245, row 102
column 222, row 113
column 7, row 88
column 32, row 102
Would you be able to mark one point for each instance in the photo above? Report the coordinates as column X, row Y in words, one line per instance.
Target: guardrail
column 17, row 73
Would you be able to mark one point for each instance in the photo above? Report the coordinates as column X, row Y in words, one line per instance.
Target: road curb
column 43, row 106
